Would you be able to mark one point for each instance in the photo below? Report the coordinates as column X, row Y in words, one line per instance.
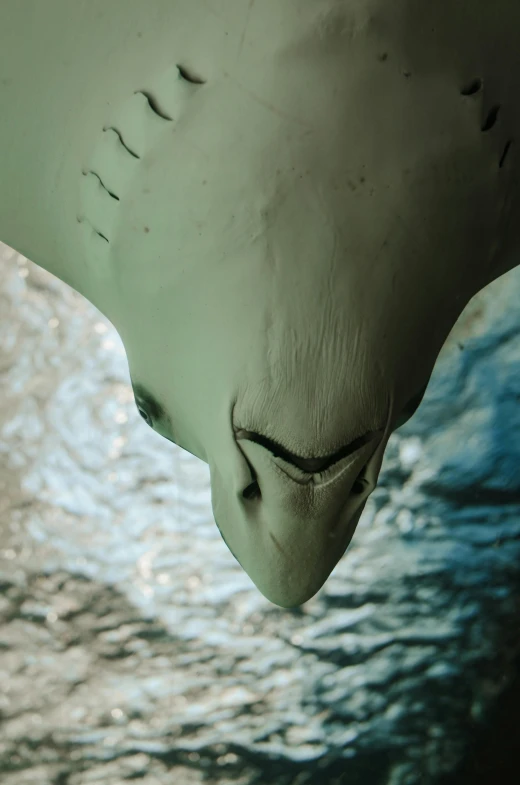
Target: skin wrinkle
column 274, row 109
column 271, row 535
column 246, row 25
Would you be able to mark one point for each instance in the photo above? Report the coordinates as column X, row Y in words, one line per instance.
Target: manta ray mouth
column 309, row 465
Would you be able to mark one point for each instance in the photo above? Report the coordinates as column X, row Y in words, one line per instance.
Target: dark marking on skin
column 504, row 154
column 491, row 118
column 472, row 87
column 85, row 173
column 189, row 76
column 111, row 128
column 154, row 106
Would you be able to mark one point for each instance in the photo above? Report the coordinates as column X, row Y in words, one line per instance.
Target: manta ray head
column 284, row 276
column 292, row 413
column 283, row 366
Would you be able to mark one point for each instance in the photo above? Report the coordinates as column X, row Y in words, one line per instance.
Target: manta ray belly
column 283, row 208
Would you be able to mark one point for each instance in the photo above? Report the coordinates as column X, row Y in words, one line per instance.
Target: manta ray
column 283, row 207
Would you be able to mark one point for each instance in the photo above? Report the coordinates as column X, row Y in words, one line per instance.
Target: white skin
column 289, row 250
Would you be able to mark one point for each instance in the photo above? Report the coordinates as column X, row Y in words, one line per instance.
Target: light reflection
column 193, row 582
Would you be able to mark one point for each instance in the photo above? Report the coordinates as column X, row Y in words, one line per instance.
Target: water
column 133, row 647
